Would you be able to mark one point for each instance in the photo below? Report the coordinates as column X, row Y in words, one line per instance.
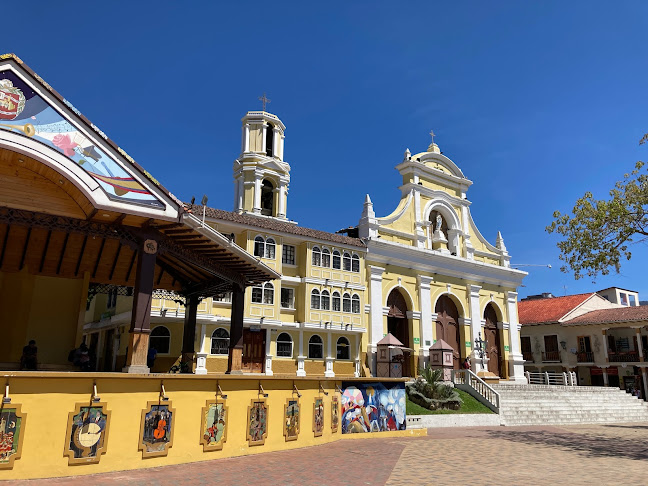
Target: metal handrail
column 547, row 378
column 470, row 379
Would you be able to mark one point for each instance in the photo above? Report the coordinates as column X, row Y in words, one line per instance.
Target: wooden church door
column 447, row 326
column 491, row 335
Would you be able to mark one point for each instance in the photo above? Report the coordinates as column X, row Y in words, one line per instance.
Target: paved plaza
column 579, row 454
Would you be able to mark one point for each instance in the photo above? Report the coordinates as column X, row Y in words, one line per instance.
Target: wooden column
column 189, row 335
column 235, row 359
column 141, row 315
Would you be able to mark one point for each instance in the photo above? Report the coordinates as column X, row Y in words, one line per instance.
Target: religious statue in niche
column 12, row 423
column 257, row 429
column 291, row 419
column 318, row 417
column 335, row 414
column 87, row 433
column 213, row 425
column 439, row 239
column 156, row 430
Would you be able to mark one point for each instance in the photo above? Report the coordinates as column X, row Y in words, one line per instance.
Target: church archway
column 397, row 322
column 492, row 337
column 447, row 326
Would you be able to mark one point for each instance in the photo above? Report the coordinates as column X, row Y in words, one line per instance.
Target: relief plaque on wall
column 213, row 430
column 257, row 420
column 318, row 417
column 335, row 414
column 12, row 424
column 86, row 438
column 156, row 430
column 292, row 416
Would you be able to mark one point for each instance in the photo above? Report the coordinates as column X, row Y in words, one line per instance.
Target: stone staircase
column 558, row 405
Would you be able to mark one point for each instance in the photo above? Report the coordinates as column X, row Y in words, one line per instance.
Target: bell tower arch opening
column 267, row 198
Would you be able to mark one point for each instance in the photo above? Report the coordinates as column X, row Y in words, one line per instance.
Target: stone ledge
column 453, row 420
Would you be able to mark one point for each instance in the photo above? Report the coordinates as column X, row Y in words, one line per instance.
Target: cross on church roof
column 432, row 135
column 264, row 100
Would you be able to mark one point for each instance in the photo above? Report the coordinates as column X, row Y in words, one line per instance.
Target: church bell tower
column 261, row 177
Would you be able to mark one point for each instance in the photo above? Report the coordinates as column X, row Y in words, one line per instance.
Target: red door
column 253, row 351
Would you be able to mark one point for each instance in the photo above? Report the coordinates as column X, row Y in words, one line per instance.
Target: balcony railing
column 549, row 356
column 527, row 355
column 585, row 357
column 629, row 357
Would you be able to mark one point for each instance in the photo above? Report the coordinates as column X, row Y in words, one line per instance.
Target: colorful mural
column 373, row 407
column 157, row 429
column 257, row 422
column 318, row 417
column 335, row 414
column 291, row 419
column 214, row 425
column 87, row 434
column 23, row 111
column 11, row 426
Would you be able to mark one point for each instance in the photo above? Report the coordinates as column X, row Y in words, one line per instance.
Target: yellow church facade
column 422, row 273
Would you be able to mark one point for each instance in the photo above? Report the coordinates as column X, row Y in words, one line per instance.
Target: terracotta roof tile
column 622, row 314
column 274, row 225
column 548, row 310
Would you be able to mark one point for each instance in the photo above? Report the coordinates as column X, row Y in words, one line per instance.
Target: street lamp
column 480, row 347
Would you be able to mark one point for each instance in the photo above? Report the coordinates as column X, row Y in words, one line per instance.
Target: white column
column 300, row 358
column 426, row 318
column 246, row 138
column 281, row 148
column 478, row 363
column 240, row 193
column 356, row 355
column 275, row 142
column 257, row 194
column 268, row 356
column 645, row 381
column 201, row 356
column 263, row 142
column 329, row 373
column 605, row 377
column 605, row 345
column 282, row 201
column 640, row 345
column 516, row 360
column 375, row 314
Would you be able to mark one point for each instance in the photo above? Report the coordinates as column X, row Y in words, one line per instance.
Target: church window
column 220, row 341
column 257, row 294
column 355, row 304
column 326, row 258
column 317, row 257
column 315, row 347
column 355, row 263
column 284, row 345
column 268, row 293
column 315, row 299
column 259, row 246
column 267, row 198
column 337, row 260
column 287, row 298
column 270, row 248
column 346, row 303
column 347, row 262
column 326, row 300
column 288, row 256
column 342, row 348
column 336, row 301
column 269, row 140
column 160, row 339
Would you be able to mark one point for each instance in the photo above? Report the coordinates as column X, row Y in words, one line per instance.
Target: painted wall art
column 373, row 407
column 87, row 433
column 156, row 432
column 292, row 418
column 213, row 431
column 335, row 414
column 12, row 424
column 257, row 429
column 318, row 417
column 24, row 111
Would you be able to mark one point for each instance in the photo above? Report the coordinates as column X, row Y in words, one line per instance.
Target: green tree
column 598, row 233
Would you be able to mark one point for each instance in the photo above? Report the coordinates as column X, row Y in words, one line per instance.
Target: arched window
column 347, row 262
column 337, row 260
column 326, row 258
column 315, row 299
column 315, row 347
column 220, row 341
column 317, row 257
column 336, row 301
column 269, row 139
column 270, row 248
column 326, row 300
column 343, row 348
column 355, row 263
column 355, row 304
column 268, row 293
column 267, row 198
column 160, row 339
column 346, row 303
column 259, row 246
column 284, row 345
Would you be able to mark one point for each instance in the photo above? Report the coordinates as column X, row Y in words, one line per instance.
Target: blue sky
column 537, row 102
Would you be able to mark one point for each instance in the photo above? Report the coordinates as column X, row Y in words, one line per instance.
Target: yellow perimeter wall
column 47, row 399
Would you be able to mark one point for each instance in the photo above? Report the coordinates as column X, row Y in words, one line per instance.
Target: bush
column 429, row 393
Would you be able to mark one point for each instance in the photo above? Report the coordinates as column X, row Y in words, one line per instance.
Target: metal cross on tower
column 264, row 100
column 432, row 135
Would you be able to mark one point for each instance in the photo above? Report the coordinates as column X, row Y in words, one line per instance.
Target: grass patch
column 469, row 405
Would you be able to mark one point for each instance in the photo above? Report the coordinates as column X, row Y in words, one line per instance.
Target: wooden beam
column 159, row 279
column 60, row 262
column 4, row 245
column 92, row 214
column 112, row 269
column 47, row 240
column 130, row 267
column 167, row 226
column 83, row 245
column 96, row 265
column 24, row 253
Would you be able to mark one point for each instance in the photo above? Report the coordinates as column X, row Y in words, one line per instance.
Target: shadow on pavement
column 591, row 445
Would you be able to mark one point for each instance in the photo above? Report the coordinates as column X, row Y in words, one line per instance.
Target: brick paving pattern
column 574, row 455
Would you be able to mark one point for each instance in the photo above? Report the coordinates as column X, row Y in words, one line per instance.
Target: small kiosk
column 441, row 358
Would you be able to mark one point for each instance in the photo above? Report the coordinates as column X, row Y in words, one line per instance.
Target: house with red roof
column 602, row 341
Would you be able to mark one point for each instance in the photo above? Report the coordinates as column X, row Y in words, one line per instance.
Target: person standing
column 29, row 358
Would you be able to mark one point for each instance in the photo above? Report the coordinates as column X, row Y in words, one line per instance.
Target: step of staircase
column 562, row 405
